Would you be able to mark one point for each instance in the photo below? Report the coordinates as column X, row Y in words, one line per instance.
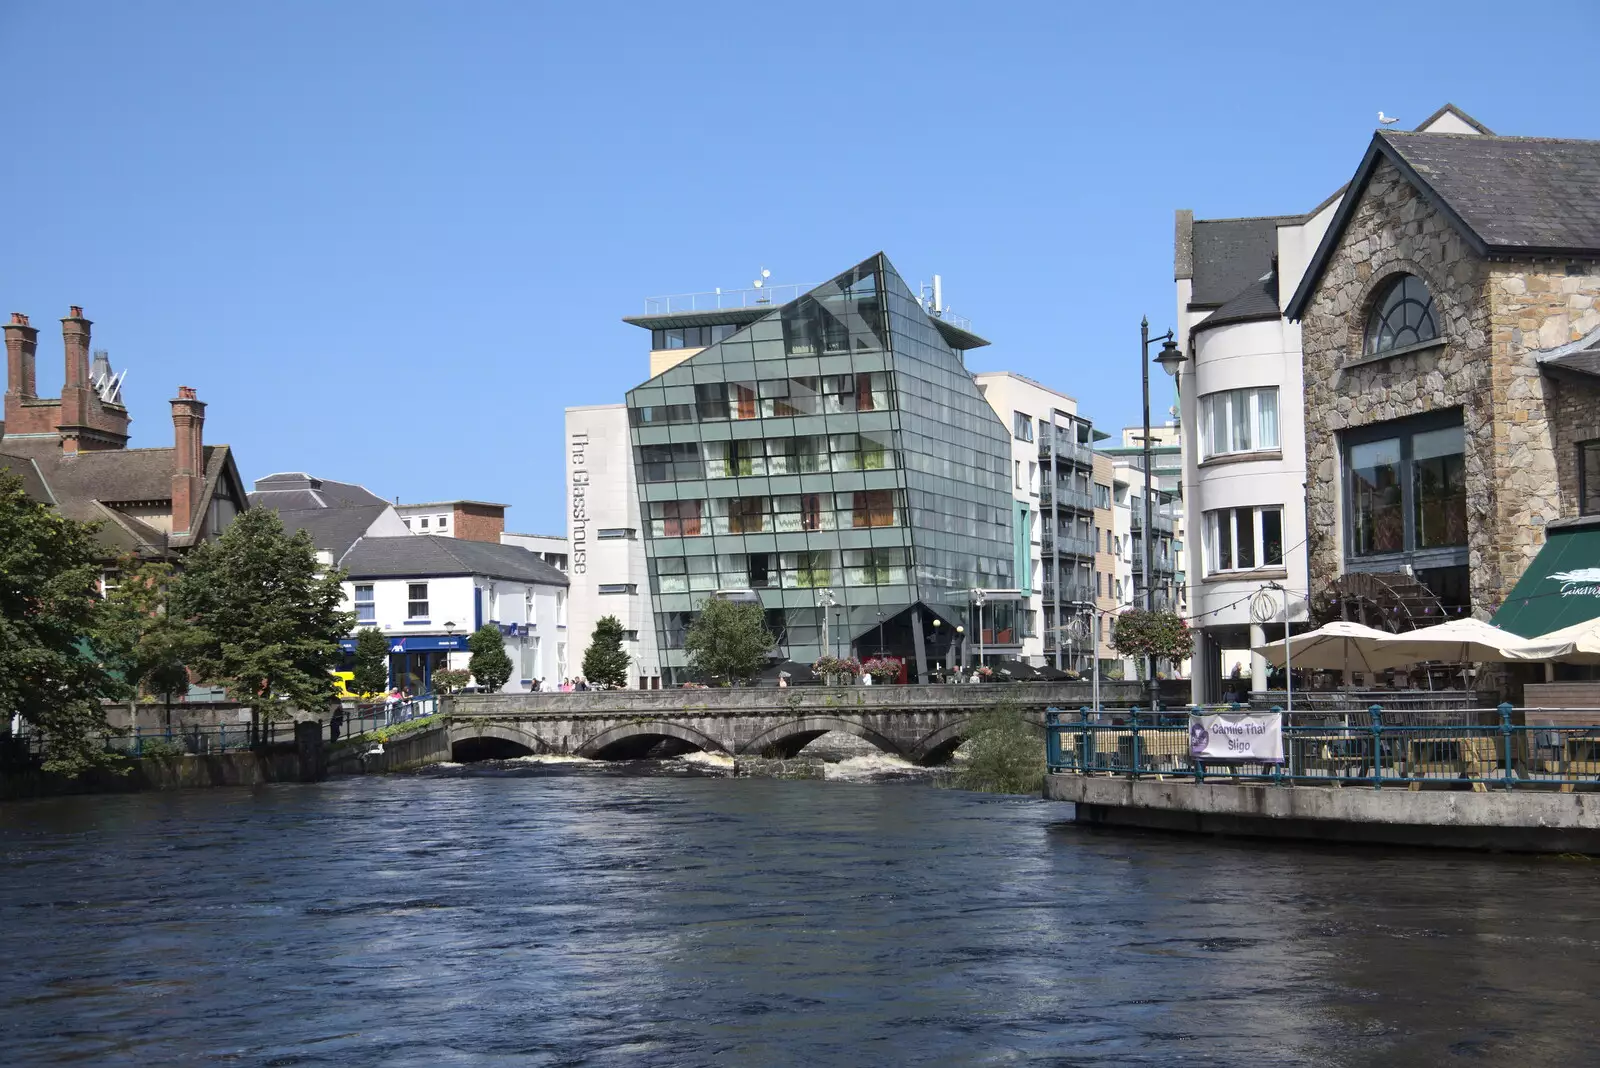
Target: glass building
column 830, row 448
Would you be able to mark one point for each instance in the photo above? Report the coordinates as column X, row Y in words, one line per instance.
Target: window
column 1239, row 420
column 442, row 522
column 1022, row 426
column 1018, row 479
column 1406, row 489
column 617, row 533
column 1242, row 539
column 417, row 600
column 676, row 519
column 561, row 610
column 873, row 508
column 630, row 635
column 1102, row 496
column 365, row 610
column 669, row 463
column 530, row 659
column 874, row 567
column 422, row 521
column 1401, row 315
column 739, row 515
column 618, row 587
column 807, row 570
column 1589, row 477
column 691, row 337
column 407, row 522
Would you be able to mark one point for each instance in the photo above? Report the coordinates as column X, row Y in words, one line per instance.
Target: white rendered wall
column 601, row 495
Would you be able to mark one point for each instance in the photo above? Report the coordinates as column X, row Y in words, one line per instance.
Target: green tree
column 1005, row 755
column 605, row 661
column 728, row 641
column 49, row 601
column 266, row 616
column 489, row 663
column 372, row 662
column 138, row 639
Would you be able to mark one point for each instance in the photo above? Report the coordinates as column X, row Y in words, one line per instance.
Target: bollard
column 1506, row 708
column 1376, row 712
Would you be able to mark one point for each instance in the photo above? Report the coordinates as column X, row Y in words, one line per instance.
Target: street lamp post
column 826, row 601
column 1169, row 359
column 980, row 598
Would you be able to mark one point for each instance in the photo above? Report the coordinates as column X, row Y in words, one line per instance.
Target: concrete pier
column 1521, row 821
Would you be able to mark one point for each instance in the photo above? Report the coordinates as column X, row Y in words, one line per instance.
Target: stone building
column 1451, row 345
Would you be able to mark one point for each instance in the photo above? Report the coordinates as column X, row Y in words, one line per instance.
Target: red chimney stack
column 22, row 341
column 189, row 466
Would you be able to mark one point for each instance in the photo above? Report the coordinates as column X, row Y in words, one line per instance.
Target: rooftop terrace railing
column 1487, row 749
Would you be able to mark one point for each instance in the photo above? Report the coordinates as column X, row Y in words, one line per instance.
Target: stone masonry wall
column 1538, row 307
column 1521, row 425
column 1394, row 230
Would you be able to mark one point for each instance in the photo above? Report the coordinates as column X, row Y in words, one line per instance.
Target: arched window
column 1402, row 315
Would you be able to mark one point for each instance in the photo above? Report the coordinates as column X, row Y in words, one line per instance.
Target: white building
column 551, row 548
column 427, row 595
column 606, row 567
column 1056, row 527
column 1241, row 395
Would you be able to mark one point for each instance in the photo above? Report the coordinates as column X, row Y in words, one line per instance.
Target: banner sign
column 1239, row 737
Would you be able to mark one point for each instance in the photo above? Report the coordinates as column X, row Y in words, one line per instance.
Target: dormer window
column 1401, row 316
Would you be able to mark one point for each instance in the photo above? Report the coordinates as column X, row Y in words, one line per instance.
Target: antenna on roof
column 761, row 281
column 932, row 297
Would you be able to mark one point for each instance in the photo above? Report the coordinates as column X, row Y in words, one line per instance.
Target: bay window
column 1243, row 539
column 1239, row 420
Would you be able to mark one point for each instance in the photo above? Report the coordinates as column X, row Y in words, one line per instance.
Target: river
column 529, row 913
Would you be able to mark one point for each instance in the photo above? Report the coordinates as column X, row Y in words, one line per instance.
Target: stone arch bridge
column 923, row 724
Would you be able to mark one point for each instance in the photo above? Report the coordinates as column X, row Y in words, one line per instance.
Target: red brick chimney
column 189, row 459
column 22, row 341
column 75, row 404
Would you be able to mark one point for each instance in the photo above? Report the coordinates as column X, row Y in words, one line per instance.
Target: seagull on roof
column 1386, row 120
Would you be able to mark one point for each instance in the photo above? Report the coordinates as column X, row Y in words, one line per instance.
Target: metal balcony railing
column 1066, row 450
column 1067, row 545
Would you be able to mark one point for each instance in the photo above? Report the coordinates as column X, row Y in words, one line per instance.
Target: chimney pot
column 18, row 319
column 75, row 312
column 186, row 393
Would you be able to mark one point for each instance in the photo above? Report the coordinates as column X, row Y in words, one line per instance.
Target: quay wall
column 1520, row 821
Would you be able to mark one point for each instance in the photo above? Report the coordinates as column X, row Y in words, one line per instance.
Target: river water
column 529, row 913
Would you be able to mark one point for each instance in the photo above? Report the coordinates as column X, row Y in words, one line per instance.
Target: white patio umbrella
column 1340, row 646
column 1577, row 644
column 1464, row 640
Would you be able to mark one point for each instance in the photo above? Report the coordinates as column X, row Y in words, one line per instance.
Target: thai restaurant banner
column 1239, row 737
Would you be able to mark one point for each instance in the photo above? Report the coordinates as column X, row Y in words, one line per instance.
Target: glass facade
column 839, row 442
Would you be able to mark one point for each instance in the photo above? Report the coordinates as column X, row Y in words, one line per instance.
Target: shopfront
column 413, row 659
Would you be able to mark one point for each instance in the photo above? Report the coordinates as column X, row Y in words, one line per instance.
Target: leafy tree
column 447, row 680
column 1158, row 635
column 489, row 663
column 372, row 662
column 728, row 640
column 1005, row 755
column 136, row 636
column 265, row 614
column 606, row 662
column 49, row 599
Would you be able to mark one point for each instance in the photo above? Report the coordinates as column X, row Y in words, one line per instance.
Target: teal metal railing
column 1487, row 750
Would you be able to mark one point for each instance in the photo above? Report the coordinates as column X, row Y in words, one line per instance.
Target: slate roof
column 1257, row 301
column 1510, row 197
column 88, row 486
column 1231, row 254
column 296, row 490
column 333, row 529
column 432, row 555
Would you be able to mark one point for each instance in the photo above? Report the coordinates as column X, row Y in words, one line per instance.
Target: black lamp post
column 1169, row 359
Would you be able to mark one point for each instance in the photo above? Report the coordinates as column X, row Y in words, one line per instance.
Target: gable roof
column 1508, row 197
column 332, row 529
column 89, row 485
column 433, row 555
column 292, row 490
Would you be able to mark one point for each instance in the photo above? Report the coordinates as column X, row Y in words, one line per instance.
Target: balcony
column 1162, row 564
column 1069, row 500
column 1065, row 544
column 1065, row 450
column 1161, row 524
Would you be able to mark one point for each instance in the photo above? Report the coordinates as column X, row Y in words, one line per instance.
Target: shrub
column 1005, row 754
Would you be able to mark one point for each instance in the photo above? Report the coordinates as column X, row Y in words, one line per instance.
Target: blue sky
column 390, row 242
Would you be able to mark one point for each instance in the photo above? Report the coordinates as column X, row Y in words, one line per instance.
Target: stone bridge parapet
column 923, row 724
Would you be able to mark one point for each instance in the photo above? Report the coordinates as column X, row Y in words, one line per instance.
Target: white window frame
column 412, row 602
column 369, row 603
column 1240, row 413
column 1211, row 522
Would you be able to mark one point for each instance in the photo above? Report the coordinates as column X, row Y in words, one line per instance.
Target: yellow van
column 341, row 687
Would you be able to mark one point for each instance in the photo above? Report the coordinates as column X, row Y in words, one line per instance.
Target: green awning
column 1562, row 585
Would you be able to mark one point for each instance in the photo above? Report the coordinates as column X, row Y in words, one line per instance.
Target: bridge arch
column 939, row 746
column 471, row 741
column 787, row 739
column 631, row 741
